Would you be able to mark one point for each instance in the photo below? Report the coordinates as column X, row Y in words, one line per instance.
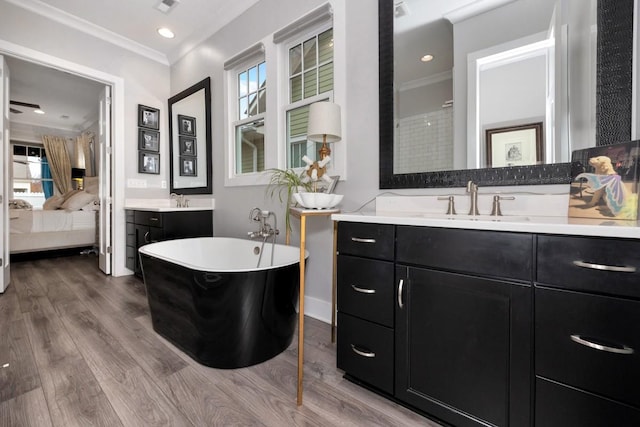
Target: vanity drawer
column 131, row 234
column 365, row 351
column 152, row 219
column 489, row 253
column 589, row 341
column 559, row 406
column 367, row 240
column 365, row 288
column 609, row 266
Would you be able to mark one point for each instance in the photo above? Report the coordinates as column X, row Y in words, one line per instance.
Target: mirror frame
column 558, row 173
column 206, row 85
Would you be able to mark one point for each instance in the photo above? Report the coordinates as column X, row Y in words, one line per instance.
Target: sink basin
column 504, row 218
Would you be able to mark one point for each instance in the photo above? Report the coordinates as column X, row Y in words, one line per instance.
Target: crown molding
column 474, row 8
column 64, row 18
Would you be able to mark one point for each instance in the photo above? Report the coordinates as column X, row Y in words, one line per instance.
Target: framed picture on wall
column 148, row 162
column 148, row 117
column 188, row 146
column 514, row 145
column 188, row 166
column 186, row 125
column 148, row 140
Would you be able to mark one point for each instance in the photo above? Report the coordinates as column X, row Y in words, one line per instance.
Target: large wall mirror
column 417, row 104
column 190, row 147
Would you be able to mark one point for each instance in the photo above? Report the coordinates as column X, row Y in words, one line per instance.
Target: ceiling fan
column 22, row 104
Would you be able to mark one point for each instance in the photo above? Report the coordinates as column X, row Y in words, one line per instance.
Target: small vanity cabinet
column 151, row 226
column 587, row 312
column 481, row 327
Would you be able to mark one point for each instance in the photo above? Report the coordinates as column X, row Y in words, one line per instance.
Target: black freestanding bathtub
column 209, row 297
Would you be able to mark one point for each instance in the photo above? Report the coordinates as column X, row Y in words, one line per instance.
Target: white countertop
column 168, row 205
column 167, row 208
column 520, row 223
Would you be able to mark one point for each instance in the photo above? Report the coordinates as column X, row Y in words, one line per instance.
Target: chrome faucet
column 265, row 230
column 181, row 202
column 472, row 189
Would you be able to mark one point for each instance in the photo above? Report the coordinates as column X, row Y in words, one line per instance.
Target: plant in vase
column 284, row 183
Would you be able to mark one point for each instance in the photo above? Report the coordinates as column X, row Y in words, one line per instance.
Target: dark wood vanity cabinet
column 144, row 227
column 477, row 327
column 439, row 319
column 587, row 353
column 463, row 324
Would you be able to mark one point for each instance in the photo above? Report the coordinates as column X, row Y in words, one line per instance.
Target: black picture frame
column 148, row 117
column 188, row 166
column 188, row 146
column 148, row 162
column 520, row 145
column 186, row 125
column 148, row 140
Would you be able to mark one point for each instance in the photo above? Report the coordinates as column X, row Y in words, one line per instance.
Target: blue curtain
column 47, row 186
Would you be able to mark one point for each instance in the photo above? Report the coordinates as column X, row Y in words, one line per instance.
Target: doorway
column 111, row 200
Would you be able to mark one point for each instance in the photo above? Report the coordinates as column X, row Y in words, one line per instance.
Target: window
column 310, row 74
column 31, row 176
column 251, row 104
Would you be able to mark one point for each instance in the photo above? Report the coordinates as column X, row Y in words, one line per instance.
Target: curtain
column 59, row 162
column 47, row 186
column 83, row 147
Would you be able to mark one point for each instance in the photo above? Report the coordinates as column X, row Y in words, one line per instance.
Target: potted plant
column 284, row 183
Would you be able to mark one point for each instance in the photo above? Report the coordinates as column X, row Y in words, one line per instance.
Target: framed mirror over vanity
column 190, row 140
column 586, row 100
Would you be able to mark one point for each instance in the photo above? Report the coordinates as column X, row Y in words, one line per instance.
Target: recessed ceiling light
column 38, row 111
column 166, row 33
column 426, row 58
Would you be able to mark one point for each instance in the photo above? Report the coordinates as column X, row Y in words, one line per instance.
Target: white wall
column 359, row 100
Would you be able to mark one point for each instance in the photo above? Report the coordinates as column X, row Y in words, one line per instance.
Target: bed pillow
column 90, row 184
column 19, row 204
column 52, row 203
column 66, row 196
column 78, row 200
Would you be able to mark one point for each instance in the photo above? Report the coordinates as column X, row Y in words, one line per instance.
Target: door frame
column 117, row 134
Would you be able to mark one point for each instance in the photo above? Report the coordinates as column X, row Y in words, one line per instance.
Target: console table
column 302, row 214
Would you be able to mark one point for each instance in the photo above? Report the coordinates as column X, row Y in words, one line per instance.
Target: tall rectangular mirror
column 190, row 134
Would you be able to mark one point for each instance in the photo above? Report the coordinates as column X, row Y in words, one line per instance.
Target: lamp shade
column 324, row 120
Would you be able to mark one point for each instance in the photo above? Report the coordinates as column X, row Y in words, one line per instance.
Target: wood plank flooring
column 77, row 349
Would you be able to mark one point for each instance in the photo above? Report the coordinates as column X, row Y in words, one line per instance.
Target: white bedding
column 38, row 221
column 38, row 230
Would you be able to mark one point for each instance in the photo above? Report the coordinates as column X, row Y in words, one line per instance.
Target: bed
column 69, row 225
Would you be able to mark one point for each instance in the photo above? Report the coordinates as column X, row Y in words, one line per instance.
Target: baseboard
column 318, row 309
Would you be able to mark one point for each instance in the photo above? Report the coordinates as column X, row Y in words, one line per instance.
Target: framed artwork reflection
column 188, row 166
column 148, row 162
column 188, row 146
column 186, row 125
column 148, row 117
column 148, row 140
column 520, row 145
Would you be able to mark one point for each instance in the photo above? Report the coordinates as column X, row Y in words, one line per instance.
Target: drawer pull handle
column 362, row 290
column 400, row 286
column 153, row 218
column 362, row 353
column 621, row 349
column 361, row 240
column 593, row 266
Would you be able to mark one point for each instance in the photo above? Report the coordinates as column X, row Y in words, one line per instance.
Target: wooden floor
column 77, row 349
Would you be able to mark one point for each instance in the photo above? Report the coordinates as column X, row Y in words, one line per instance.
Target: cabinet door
column 463, row 347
